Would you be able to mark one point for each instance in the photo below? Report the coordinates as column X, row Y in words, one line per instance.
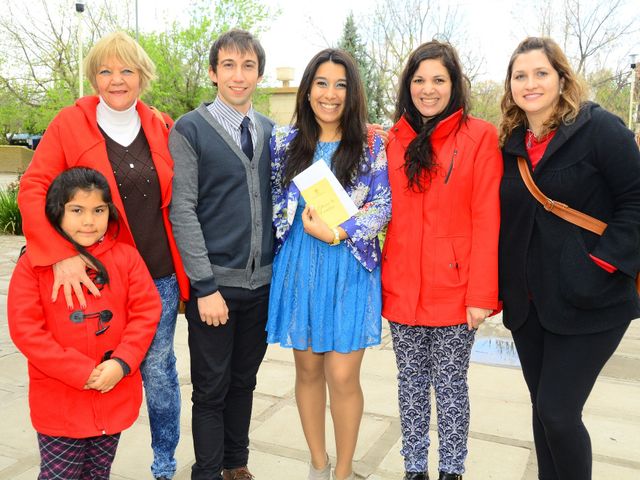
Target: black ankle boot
column 416, row 476
column 449, row 476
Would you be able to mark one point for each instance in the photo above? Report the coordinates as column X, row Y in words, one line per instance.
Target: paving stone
column 283, row 429
column 276, row 379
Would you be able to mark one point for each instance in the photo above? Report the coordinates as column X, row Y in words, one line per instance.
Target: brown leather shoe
column 241, row 473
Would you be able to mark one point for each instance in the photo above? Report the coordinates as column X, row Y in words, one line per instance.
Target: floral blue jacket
column 370, row 192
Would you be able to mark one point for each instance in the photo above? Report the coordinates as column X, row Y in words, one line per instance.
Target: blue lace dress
column 321, row 296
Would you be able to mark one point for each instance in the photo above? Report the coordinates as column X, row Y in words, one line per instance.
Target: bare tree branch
column 396, row 28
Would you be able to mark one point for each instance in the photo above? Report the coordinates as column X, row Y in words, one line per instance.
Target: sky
column 305, row 27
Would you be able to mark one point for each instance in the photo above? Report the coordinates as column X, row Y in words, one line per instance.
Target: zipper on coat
column 453, row 158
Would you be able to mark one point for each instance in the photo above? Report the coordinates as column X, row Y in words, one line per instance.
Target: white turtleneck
column 122, row 126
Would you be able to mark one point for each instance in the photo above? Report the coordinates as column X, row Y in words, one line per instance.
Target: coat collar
column 108, row 240
column 515, row 144
column 405, row 133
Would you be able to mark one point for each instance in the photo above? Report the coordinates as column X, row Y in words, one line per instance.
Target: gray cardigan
column 221, row 204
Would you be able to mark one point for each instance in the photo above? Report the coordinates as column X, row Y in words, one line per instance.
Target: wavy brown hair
column 348, row 160
column 419, row 161
column 573, row 95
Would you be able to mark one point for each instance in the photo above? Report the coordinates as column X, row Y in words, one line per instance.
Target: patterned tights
column 438, row 358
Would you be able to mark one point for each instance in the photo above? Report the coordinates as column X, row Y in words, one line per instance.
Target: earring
column 561, row 91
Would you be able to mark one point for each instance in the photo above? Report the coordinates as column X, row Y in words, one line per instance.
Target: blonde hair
column 124, row 48
column 574, row 92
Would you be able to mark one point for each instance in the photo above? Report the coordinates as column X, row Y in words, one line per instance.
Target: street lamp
column 137, row 39
column 632, row 59
column 79, row 9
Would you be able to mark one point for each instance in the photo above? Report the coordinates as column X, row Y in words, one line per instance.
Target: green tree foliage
column 39, row 65
column 13, row 115
column 611, row 91
column 485, row 100
column 181, row 53
column 373, row 81
column 39, row 68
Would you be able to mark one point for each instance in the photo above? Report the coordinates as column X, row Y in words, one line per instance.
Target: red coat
column 441, row 250
column 74, row 140
column 62, row 354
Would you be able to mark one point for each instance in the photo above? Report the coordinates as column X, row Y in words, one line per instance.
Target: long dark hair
column 348, row 158
column 60, row 192
column 418, row 159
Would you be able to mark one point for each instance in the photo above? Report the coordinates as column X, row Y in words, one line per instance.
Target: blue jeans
column 161, row 385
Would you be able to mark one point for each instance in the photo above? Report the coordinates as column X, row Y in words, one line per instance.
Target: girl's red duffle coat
column 441, row 250
column 62, row 353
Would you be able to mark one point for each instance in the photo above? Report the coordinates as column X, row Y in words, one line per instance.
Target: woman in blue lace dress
column 325, row 296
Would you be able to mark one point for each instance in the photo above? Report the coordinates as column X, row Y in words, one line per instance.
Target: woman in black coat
column 568, row 294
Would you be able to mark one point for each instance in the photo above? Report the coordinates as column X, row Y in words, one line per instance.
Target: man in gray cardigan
column 221, row 216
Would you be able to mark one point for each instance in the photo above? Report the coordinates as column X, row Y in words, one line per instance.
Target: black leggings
column 560, row 371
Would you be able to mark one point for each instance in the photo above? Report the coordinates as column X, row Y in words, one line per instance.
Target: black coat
column 592, row 165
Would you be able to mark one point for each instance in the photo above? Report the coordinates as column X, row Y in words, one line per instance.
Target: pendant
column 131, row 165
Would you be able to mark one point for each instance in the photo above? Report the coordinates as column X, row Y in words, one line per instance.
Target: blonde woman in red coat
column 440, row 266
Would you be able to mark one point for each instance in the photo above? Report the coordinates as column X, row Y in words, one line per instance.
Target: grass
column 10, row 218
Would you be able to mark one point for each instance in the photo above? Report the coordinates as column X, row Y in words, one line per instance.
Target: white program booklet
column 321, row 189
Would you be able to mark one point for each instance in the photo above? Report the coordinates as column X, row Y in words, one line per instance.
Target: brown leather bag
column 562, row 210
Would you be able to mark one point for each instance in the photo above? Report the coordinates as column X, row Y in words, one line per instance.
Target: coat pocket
column 448, row 263
column 584, row 284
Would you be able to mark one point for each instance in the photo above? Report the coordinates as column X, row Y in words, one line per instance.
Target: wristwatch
column 336, row 237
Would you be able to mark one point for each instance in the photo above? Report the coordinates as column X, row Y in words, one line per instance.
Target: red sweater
column 441, row 250
column 62, row 354
column 73, row 139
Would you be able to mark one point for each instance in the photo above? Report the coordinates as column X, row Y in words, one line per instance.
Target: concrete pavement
column 500, row 445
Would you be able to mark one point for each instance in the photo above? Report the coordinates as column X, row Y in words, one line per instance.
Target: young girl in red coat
column 85, row 386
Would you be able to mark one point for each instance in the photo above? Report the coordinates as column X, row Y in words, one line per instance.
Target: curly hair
column 571, row 99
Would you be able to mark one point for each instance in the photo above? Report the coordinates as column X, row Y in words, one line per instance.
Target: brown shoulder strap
column 557, row 208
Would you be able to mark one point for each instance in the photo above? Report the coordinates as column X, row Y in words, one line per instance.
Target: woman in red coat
column 118, row 135
column 84, row 383
column 440, row 266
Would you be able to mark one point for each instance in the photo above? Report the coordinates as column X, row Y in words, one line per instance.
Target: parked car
column 24, row 139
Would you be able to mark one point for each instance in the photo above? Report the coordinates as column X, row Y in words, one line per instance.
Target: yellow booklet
column 321, row 189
